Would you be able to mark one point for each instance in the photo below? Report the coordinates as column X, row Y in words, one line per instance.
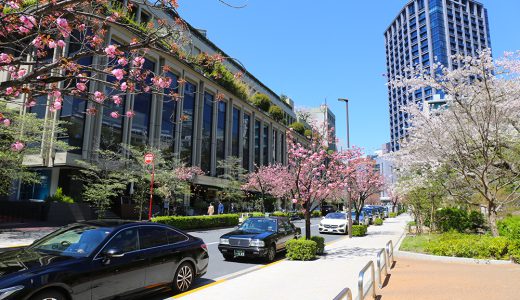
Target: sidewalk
column 323, row 278
column 23, row 234
column 428, row 280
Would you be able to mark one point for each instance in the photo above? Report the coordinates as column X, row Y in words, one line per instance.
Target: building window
column 257, row 142
column 142, row 106
column 188, row 103
column 169, row 115
column 235, row 132
column 221, row 133
column 265, row 146
column 207, row 121
column 275, row 144
column 246, row 133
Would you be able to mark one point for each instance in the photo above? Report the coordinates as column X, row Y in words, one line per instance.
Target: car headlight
column 4, row 293
column 321, row 225
column 257, row 243
column 224, row 241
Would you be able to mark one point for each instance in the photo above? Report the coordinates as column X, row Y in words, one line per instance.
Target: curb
column 422, row 256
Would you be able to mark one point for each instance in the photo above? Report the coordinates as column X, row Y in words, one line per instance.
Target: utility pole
column 349, row 204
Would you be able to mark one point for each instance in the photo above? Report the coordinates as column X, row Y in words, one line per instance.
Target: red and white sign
column 148, row 158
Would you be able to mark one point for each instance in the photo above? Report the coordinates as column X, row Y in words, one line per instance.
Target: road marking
column 211, row 243
column 335, row 241
column 198, row 289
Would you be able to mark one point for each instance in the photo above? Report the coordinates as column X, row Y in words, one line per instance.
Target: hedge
column 392, row 215
column 320, row 244
column 510, row 227
column 469, row 245
column 276, row 113
column 261, row 101
column 316, row 214
column 359, row 230
column 378, row 222
column 198, row 222
column 301, row 249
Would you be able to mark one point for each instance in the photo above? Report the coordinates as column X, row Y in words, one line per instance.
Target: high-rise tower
column 426, row 31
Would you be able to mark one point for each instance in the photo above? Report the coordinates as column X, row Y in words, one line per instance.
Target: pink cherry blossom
column 6, row 122
column 117, row 100
column 111, row 51
column 17, row 146
column 5, row 58
column 99, row 97
column 57, row 105
column 51, row 44
column 124, row 86
column 61, row 43
column 81, row 86
column 122, row 61
column 161, row 82
column 115, row 114
column 138, row 61
column 9, row 91
column 118, row 73
column 130, row 114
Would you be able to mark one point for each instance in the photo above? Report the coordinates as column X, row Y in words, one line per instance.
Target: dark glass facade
column 235, row 133
column 142, row 106
column 221, row 133
column 258, row 132
column 188, row 106
column 245, row 139
column 207, row 122
column 265, row 146
column 169, row 115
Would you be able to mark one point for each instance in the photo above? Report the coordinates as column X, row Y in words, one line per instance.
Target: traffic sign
column 148, row 158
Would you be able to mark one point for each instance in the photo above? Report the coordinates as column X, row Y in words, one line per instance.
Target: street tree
column 233, row 175
column 364, row 180
column 476, row 135
column 22, row 135
column 317, row 174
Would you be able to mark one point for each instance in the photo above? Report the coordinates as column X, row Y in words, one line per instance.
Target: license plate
column 240, row 253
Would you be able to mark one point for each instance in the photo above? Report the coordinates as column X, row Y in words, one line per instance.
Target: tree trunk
column 307, row 221
column 492, row 219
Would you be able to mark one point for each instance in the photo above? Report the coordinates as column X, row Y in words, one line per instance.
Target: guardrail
column 382, row 266
column 344, row 294
column 371, row 286
column 390, row 252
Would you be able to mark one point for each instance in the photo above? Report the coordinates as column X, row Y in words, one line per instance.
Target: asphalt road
column 219, row 268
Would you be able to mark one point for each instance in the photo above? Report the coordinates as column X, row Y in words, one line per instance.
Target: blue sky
column 317, row 50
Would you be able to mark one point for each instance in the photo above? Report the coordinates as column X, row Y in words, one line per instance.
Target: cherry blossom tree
column 364, row 180
column 317, row 173
column 395, row 197
column 476, row 135
column 274, row 180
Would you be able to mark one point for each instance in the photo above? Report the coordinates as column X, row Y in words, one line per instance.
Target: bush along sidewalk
column 198, row 222
column 378, row 222
column 301, row 249
column 359, row 230
column 320, row 244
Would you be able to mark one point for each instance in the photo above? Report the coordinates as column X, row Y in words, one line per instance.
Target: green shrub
column 59, row 197
column 468, row 245
column 510, row 227
column 392, row 215
column 359, row 230
column 320, row 244
column 378, row 222
column 476, row 221
column 307, row 133
column 514, row 250
column 198, row 222
column 276, row 113
column 298, row 127
column 450, row 218
column 261, row 101
column 301, row 249
column 316, row 214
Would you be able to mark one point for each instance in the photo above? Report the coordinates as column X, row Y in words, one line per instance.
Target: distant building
column 386, row 170
column 423, row 32
column 321, row 115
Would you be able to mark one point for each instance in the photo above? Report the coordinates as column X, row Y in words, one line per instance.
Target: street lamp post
column 349, row 204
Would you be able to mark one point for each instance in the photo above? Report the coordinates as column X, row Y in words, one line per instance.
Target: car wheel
column 49, row 295
column 271, row 253
column 183, row 278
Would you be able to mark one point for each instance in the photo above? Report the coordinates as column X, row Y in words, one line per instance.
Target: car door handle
column 137, row 259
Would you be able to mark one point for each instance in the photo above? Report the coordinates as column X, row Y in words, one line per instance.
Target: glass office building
column 426, row 31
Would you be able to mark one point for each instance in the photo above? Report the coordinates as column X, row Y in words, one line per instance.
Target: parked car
column 363, row 218
column 370, row 214
column 335, row 222
column 326, row 209
column 258, row 237
column 103, row 259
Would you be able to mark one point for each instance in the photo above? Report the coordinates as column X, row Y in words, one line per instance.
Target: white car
column 334, row 222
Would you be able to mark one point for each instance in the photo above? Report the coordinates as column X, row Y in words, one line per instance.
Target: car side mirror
column 114, row 253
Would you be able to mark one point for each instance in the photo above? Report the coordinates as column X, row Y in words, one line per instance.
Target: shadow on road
column 344, row 252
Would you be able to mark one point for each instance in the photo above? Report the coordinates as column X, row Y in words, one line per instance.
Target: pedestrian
column 220, row 208
column 211, row 209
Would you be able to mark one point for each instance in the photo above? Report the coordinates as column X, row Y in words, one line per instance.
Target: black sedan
column 101, row 260
column 258, row 237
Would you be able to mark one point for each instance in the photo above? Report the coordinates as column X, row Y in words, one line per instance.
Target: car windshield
column 78, row 241
column 259, row 225
column 336, row 216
